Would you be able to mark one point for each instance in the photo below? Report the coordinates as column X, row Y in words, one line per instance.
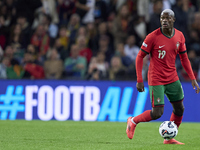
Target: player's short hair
column 169, row 11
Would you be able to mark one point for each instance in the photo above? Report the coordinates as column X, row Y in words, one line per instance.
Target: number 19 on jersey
column 161, row 54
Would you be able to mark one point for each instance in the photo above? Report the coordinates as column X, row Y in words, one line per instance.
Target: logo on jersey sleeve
column 144, row 44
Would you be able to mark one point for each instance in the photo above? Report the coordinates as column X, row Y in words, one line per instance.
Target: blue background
column 191, row 100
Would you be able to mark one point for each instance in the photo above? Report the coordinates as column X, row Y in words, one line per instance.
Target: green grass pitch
column 71, row 135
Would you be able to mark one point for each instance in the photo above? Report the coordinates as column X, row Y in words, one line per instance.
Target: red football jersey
column 163, row 51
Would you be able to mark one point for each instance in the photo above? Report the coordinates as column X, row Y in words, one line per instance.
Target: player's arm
column 144, row 50
column 139, row 66
column 187, row 66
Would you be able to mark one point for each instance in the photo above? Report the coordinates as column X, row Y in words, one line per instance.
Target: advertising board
column 84, row 100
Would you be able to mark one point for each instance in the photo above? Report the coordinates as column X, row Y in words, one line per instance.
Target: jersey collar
column 167, row 35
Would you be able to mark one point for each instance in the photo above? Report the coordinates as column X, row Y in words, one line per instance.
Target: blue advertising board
column 84, row 100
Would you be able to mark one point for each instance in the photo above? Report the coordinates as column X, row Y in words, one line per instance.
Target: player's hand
column 195, row 84
column 140, row 87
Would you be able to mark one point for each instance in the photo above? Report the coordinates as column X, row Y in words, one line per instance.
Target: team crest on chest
column 177, row 46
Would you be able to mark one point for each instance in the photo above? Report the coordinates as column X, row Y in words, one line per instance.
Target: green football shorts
column 173, row 91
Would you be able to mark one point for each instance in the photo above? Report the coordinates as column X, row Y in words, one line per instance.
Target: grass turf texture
column 53, row 135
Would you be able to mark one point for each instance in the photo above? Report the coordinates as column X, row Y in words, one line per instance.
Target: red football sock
column 144, row 117
column 177, row 119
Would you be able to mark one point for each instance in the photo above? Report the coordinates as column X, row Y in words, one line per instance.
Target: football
column 168, row 129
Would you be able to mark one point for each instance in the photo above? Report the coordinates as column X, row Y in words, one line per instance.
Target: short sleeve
column 147, row 44
column 182, row 48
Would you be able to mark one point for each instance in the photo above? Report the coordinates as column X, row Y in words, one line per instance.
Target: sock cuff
column 176, row 115
column 144, row 117
column 133, row 121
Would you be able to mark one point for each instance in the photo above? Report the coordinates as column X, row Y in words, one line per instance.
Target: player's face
column 166, row 20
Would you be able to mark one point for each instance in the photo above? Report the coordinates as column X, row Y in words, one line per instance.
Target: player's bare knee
column 182, row 109
column 156, row 116
column 179, row 110
column 157, row 112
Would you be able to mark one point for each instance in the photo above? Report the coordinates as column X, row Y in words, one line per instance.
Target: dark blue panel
column 84, row 100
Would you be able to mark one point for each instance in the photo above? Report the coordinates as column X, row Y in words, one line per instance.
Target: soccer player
column 163, row 45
